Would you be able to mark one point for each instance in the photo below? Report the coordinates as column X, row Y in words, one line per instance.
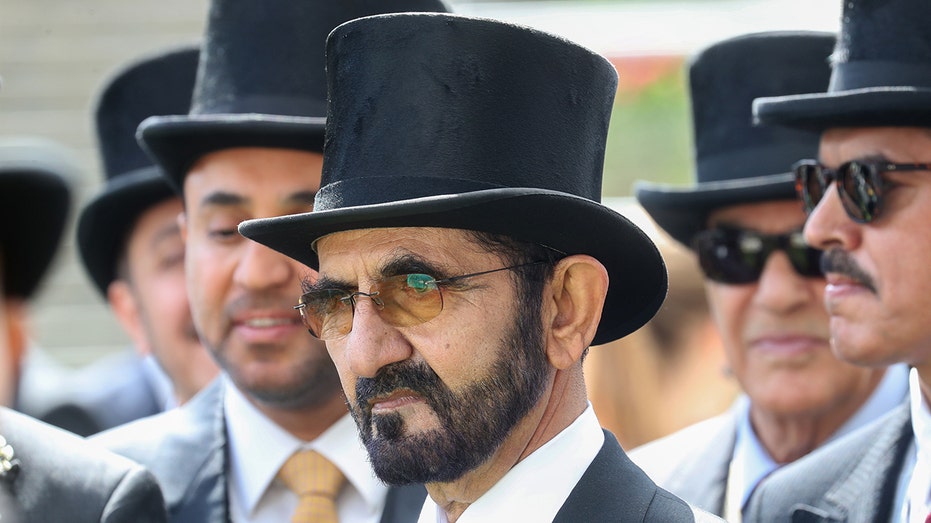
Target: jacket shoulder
column 64, row 478
column 664, row 458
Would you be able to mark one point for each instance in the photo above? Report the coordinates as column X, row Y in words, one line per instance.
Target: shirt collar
column 259, row 447
column 750, row 462
column 547, row 476
column 921, row 418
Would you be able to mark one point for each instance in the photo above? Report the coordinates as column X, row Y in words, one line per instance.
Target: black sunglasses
column 859, row 183
column 737, row 256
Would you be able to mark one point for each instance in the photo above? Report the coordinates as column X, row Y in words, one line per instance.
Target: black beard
column 474, row 422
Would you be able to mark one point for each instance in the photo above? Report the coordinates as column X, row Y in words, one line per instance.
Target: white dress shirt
column 258, row 448
column 538, row 486
column 751, row 463
column 916, row 472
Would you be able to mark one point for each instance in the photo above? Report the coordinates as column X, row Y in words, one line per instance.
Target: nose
column 780, row 288
column 372, row 343
column 828, row 226
column 261, row 268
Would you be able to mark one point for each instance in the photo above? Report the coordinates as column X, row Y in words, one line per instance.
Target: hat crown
column 452, row 104
column 267, row 56
column 154, row 85
column 723, row 81
column 883, row 43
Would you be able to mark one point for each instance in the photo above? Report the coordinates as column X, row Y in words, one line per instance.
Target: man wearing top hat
column 130, row 244
column 763, row 283
column 47, row 474
column 869, row 198
column 250, row 147
column 461, row 278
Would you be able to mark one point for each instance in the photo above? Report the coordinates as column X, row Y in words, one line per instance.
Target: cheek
column 729, row 305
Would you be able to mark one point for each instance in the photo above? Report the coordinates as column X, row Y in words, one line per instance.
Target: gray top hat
column 158, row 84
column 36, row 176
column 736, row 162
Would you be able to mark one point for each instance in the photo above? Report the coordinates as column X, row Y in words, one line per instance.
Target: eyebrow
column 169, row 230
column 222, row 198
column 405, row 263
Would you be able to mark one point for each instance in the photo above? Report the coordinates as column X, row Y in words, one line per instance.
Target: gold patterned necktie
column 316, row 482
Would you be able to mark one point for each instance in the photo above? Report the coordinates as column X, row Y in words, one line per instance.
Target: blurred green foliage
column 650, row 136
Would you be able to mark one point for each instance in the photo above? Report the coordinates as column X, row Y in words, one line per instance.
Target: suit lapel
column 195, row 472
column 869, row 491
column 612, row 489
column 702, row 480
column 403, row 504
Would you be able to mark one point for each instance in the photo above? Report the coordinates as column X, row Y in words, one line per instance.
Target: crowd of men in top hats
column 365, row 242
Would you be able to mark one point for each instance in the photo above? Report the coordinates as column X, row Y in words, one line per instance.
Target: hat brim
column 106, row 221
column 35, row 206
column 561, row 221
column 683, row 212
column 175, row 143
column 867, row 107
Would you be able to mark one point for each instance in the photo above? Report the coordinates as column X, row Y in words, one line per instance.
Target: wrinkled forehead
column 369, row 252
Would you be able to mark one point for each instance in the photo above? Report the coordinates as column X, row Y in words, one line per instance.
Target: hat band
column 863, row 74
column 356, row 192
column 754, row 161
column 282, row 105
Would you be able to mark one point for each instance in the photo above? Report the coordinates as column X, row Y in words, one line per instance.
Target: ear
column 575, row 299
column 182, row 226
column 126, row 309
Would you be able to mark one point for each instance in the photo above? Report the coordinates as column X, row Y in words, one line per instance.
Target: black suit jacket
column 186, row 449
column 853, row 479
column 64, row 478
column 614, row 489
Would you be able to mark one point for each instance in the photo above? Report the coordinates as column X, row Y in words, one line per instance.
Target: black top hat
column 261, row 81
column 159, row 84
column 35, row 198
column 734, row 161
column 881, row 72
column 449, row 121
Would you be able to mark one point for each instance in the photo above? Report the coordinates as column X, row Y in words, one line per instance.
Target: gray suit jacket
column 64, row 478
column 853, row 479
column 693, row 462
column 186, row 449
column 614, row 489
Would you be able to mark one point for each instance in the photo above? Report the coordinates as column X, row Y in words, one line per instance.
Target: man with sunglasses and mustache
column 464, row 269
column 869, row 202
column 763, row 283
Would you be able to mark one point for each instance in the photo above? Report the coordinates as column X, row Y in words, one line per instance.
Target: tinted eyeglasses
column 859, row 183
column 737, row 256
column 404, row 300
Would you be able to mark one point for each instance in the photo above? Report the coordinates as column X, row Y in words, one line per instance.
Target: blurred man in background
column 130, row 244
column 764, row 284
column 47, row 474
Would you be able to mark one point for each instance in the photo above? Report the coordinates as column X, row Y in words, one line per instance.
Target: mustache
column 839, row 262
column 250, row 301
column 416, row 377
